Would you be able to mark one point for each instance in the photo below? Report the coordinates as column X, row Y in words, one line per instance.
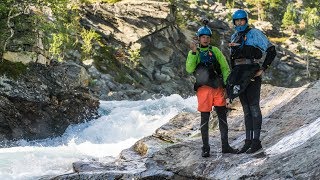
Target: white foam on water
column 121, row 124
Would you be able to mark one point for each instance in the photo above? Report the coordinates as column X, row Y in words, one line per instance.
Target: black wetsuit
column 250, row 101
column 250, row 95
column 223, row 126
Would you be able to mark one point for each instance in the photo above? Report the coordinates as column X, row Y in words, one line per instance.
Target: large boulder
column 44, row 101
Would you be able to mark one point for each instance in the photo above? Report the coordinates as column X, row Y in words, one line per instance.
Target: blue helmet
column 240, row 14
column 204, row 30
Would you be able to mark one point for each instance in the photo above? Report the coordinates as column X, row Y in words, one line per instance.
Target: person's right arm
column 191, row 62
column 265, row 45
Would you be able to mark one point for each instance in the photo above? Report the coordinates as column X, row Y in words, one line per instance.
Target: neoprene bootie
column 205, row 152
column 246, row 146
column 226, row 148
column 255, row 146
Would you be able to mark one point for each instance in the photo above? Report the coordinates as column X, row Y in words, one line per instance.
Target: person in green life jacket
column 211, row 70
column 248, row 46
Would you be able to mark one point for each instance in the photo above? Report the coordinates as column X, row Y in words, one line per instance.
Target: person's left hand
column 259, row 73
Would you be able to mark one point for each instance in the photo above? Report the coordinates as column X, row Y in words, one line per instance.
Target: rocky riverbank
column 290, row 145
column 44, row 101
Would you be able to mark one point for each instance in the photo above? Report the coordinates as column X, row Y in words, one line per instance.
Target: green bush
column 290, row 17
column 134, row 57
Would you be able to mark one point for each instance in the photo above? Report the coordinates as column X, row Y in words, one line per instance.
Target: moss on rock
column 11, row 69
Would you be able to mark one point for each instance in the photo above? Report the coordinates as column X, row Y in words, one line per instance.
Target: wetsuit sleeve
column 225, row 70
column 191, row 62
column 271, row 54
column 260, row 40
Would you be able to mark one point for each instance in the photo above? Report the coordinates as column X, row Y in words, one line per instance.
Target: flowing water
column 121, row 124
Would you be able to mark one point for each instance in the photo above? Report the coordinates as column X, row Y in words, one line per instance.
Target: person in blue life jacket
column 247, row 46
column 210, row 68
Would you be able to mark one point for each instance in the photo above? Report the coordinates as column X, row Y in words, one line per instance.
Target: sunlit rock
column 290, row 140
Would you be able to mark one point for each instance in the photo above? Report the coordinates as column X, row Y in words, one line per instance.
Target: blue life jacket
column 255, row 38
column 207, row 57
column 240, row 39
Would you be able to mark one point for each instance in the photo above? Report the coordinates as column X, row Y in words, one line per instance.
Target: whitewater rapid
column 121, row 124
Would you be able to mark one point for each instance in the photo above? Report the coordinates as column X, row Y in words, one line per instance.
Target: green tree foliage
column 134, row 57
column 311, row 20
column 88, row 37
column 306, row 15
column 275, row 10
column 10, row 9
column 263, row 9
column 57, row 20
column 62, row 31
column 311, row 17
column 230, row 3
column 290, row 17
column 4, row 10
column 99, row 1
column 258, row 7
column 312, row 23
column 274, row 3
column 311, row 4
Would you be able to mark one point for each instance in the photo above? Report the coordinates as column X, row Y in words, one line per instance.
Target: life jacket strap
column 245, row 61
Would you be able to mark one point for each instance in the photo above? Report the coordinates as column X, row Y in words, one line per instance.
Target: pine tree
column 312, row 23
column 289, row 17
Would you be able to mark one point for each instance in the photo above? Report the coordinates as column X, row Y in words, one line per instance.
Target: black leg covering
column 223, row 124
column 248, row 121
column 205, row 129
column 257, row 120
column 223, row 127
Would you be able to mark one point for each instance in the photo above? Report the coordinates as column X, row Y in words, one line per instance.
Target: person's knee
column 255, row 111
column 246, row 110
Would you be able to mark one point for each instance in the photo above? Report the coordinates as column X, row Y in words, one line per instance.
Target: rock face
column 44, row 101
column 147, row 27
column 290, row 140
column 150, row 28
column 26, row 44
column 145, row 35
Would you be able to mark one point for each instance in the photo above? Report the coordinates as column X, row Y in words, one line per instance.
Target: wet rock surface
column 290, row 145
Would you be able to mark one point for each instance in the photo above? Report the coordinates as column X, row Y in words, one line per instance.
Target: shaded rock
column 44, row 101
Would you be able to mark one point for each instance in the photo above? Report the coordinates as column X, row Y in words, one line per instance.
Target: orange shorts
column 208, row 97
